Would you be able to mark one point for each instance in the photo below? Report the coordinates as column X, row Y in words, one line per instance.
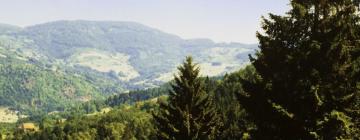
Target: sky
column 219, row 20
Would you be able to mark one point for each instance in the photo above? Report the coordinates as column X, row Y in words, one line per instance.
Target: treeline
column 137, row 95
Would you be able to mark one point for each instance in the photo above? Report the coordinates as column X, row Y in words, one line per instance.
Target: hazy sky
column 219, row 20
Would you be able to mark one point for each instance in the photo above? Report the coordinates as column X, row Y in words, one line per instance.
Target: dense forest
column 27, row 87
column 302, row 83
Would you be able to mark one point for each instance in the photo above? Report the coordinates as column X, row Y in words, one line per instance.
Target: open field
column 7, row 116
column 105, row 62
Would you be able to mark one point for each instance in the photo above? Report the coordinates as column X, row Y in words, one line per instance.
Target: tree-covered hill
column 27, row 87
column 132, row 54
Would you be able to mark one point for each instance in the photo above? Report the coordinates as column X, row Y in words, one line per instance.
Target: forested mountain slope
column 132, row 54
column 27, row 87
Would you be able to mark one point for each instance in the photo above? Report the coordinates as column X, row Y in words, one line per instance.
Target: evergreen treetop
column 308, row 73
column 190, row 112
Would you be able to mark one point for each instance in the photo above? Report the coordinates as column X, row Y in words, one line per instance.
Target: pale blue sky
column 219, row 20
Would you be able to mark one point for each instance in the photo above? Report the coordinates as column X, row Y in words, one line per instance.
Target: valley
column 180, row 70
column 62, row 64
column 127, row 52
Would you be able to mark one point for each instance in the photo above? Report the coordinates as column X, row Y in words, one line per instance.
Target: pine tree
column 237, row 123
column 307, row 84
column 190, row 112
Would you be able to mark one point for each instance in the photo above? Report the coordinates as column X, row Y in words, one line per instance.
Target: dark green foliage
column 124, row 122
column 307, row 85
column 190, row 113
column 6, row 129
column 137, row 95
column 237, row 123
column 29, row 88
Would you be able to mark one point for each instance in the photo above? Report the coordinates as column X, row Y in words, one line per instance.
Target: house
column 60, row 121
column 106, row 110
column 28, row 127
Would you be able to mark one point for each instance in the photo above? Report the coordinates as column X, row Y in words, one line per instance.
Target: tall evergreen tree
column 308, row 73
column 237, row 123
column 190, row 112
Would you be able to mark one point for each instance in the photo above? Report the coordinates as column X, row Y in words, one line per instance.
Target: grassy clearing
column 7, row 116
column 105, row 62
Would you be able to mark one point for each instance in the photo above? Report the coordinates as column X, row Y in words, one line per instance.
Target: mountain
column 131, row 54
column 7, row 29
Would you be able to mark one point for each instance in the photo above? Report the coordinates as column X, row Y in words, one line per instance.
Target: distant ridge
column 133, row 54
